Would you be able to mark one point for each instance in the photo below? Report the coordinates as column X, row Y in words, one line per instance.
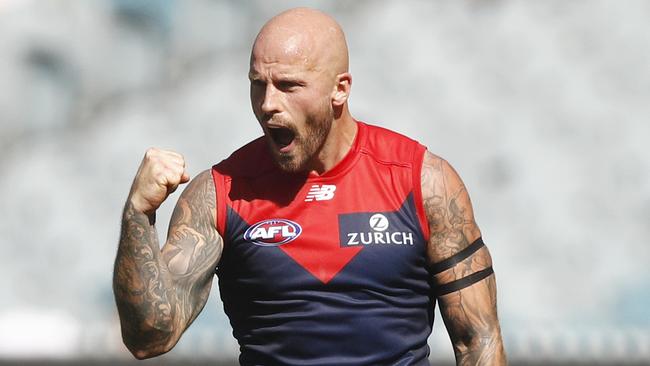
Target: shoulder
column 432, row 167
column 201, row 180
column 438, row 173
column 442, row 186
column 389, row 146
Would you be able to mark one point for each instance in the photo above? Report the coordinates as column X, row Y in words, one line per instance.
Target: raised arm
column 160, row 292
column 462, row 267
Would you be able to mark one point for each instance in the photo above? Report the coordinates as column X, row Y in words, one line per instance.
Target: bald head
column 304, row 35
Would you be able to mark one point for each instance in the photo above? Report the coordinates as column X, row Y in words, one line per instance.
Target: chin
column 295, row 161
column 289, row 164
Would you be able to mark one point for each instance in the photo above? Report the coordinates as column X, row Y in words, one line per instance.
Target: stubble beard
column 307, row 145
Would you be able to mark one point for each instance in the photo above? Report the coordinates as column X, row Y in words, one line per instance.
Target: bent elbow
column 143, row 352
column 150, row 344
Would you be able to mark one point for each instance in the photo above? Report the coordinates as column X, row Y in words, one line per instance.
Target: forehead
column 283, row 52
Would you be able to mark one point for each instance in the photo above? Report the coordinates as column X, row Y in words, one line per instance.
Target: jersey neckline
column 348, row 160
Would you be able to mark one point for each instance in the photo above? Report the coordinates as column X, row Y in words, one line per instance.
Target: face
column 292, row 101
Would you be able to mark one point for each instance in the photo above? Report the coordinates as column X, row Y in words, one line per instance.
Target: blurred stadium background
column 542, row 106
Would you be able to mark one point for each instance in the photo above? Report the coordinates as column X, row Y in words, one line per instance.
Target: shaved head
column 307, row 34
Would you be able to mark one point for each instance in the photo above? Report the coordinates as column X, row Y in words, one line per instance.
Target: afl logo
column 272, row 232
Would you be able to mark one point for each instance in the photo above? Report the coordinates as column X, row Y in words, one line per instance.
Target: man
column 332, row 239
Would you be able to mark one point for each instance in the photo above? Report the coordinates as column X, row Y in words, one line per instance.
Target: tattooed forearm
column 139, row 285
column 470, row 314
column 159, row 293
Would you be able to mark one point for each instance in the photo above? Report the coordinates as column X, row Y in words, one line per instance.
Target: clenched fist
column 160, row 173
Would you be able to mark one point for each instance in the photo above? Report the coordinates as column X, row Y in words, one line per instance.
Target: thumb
column 185, row 177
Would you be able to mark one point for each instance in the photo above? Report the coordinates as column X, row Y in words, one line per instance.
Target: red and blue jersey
column 327, row 269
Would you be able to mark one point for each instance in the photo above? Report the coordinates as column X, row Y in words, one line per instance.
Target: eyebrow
column 254, row 76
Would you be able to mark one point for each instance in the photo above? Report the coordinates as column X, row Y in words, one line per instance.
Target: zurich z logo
column 378, row 222
column 323, row 192
column 374, row 229
column 272, row 232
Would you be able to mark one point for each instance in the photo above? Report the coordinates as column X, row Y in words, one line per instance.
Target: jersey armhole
column 418, row 159
column 220, row 204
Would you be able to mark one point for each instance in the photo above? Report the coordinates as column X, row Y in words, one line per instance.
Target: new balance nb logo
column 320, row 193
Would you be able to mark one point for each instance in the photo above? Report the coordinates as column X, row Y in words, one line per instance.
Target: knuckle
column 176, row 155
column 156, row 169
column 150, row 152
column 179, row 169
column 172, row 176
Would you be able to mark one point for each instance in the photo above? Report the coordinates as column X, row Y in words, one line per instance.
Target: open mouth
column 282, row 136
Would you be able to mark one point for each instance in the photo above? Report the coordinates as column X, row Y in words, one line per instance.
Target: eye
column 257, row 83
column 257, row 86
column 287, row 85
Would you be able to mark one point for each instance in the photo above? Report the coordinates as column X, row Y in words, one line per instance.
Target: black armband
column 463, row 282
column 458, row 257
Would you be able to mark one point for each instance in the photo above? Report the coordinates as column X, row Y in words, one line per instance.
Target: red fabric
column 381, row 169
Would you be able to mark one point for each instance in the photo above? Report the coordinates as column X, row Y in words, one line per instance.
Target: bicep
column 193, row 245
column 448, row 209
column 460, row 264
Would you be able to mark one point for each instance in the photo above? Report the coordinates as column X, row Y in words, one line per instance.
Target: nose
column 270, row 104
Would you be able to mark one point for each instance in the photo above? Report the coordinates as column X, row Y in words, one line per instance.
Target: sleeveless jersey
column 327, row 269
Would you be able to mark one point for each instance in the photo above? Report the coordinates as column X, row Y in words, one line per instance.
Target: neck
column 338, row 143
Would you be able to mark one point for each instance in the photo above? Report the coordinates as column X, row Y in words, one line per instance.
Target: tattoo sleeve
column 470, row 314
column 160, row 292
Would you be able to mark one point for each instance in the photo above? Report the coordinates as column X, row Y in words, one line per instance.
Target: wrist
column 135, row 205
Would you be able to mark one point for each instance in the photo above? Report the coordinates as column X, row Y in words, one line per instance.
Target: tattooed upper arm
column 448, row 209
column 193, row 247
column 451, row 220
column 470, row 313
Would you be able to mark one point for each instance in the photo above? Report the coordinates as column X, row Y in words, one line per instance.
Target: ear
column 342, row 89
